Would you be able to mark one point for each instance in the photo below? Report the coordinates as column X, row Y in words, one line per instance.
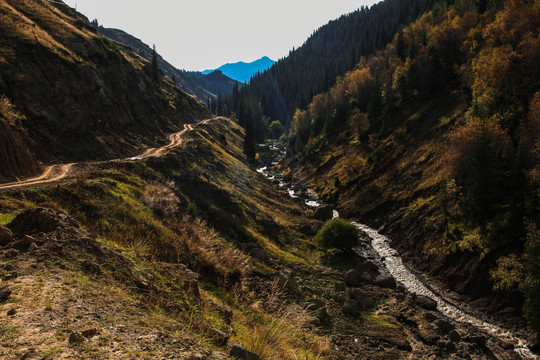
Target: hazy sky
column 204, row 34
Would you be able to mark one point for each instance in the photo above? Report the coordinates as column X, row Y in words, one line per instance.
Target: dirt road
column 60, row 171
column 175, row 140
column 52, row 173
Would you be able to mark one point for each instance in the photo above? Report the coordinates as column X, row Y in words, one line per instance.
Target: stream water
column 394, row 265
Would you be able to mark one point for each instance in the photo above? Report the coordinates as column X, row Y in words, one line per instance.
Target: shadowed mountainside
column 77, row 94
column 204, row 87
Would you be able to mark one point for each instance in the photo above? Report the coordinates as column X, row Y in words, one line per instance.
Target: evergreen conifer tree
column 154, row 65
column 249, row 139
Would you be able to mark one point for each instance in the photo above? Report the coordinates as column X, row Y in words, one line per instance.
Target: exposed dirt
column 73, row 298
column 55, row 173
column 51, row 174
column 174, row 141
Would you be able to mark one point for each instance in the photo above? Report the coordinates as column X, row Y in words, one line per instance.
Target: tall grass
column 277, row 332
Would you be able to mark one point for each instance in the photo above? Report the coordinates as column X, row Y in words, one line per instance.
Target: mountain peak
column 242, row 71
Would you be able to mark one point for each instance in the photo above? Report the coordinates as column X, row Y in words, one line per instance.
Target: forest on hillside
column 329, row 52
column 487, row 56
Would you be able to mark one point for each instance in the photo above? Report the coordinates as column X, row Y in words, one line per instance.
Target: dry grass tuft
column 7, row 109
column 211, row 255
column 161, row 198
column 277, row 333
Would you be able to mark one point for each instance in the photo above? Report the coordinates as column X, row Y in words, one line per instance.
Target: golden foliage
column 7, row 110
column 492, row 74
column 465, row 138
column 509, row 273
column 531, row 132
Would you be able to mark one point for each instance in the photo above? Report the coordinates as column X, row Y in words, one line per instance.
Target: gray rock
column 315, row 304
column 428, row 334
column 11, row 275
column 243, row 354
column 430, row 316
column 25, row 243
column 75, row 338
column 340, row 297
column 31, row 355
column 11, row 253
column 534, row 342
column 362, row 299
column 425, row 302
column 370, row 265
column 477, row 339
column 321, row 317
column 5, row 292
column 89, row 333
column 192, row 287
column 350, row 307
column 449, row 346
column 220, row 337
column 323, row 213
column 454, row 336
column 340, row 286
column 385, row 281
column 285, row 280
column 225, row 312
column 259, row 254
column 40, row 220
column 5, row 235
column 353, row 278
column 443, row 326
column 367, row 277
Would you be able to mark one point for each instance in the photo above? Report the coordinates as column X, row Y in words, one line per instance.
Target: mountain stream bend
column 393, row 263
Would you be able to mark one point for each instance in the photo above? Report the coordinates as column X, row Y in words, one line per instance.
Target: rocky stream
column 379, row 250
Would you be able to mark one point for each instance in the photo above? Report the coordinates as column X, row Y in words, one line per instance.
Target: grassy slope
column 151, row 231
column 79, row 95
column 157, row 215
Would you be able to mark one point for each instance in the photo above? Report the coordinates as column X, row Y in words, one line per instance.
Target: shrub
column 339, row 234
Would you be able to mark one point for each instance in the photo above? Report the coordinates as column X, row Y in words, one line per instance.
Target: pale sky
column 205, row 34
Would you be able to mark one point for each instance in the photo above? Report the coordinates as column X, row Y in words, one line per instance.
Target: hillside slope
column 203, row 87
column 79, row 95
column 329, row 52
column 196, row 255
column 216, row 82
column 435, row 138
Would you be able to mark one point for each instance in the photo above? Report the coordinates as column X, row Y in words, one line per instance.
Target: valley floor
column 194, row 255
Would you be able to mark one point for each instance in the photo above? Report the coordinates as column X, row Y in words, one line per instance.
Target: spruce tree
column 249, row 139
column 154, row 65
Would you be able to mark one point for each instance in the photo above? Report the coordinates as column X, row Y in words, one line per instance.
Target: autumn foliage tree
column 478, row 151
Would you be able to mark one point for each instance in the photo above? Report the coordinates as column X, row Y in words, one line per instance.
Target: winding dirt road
column 58, row 172
column 52, row 173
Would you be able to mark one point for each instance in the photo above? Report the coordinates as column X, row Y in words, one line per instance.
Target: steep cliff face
column 81, row 95
column 15, row 155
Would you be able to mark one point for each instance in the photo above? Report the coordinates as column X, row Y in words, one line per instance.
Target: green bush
column 338, row 234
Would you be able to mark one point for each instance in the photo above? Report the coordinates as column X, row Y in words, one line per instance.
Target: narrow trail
column 51, row 174
column 175, row 140
column 57, row 172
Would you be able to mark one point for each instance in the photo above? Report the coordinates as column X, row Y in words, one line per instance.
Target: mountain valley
column 148, row 212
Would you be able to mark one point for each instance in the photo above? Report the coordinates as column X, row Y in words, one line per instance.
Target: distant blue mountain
column 242, row 71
